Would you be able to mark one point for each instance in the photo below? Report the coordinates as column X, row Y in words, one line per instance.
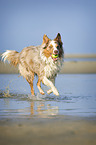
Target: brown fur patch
column 48, row 51
column 45, row 39
column 50, row 46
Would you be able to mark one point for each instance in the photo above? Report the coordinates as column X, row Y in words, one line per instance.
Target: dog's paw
column 49, row 91
column 56, row 93
column 41, row 92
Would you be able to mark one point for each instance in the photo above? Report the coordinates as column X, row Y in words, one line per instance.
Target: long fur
column 37, row 60
column 12, row 56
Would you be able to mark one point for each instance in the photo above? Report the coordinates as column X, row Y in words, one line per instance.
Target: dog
column 44, row 60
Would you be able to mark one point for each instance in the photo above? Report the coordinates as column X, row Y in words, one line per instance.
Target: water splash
column 6, row 93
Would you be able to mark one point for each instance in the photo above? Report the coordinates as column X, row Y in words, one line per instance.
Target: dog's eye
column 57, row 47
column 50, row 46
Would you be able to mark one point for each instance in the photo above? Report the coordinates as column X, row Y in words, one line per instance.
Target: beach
column 69, row 119
column 57, row 130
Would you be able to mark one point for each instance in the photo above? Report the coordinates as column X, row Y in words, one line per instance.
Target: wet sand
column 56, row 130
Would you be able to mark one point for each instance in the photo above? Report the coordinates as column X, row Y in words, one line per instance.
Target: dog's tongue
column 55, row 59
column 54, row 56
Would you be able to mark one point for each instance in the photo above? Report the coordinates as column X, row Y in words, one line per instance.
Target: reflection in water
column 15, row 104
column 21, row 105
column 42, row 109
column 32, row 108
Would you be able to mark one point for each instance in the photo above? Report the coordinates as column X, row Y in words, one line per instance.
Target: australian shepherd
column 44, row 60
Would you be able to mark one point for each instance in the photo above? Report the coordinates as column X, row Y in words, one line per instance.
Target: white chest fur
column 52, row 68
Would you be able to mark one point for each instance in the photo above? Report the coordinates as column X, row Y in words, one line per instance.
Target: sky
column 24, row 22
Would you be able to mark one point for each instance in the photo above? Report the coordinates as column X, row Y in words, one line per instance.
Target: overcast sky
column 24, row 22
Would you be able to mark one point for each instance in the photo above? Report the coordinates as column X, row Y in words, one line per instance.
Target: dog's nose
column 56, row 51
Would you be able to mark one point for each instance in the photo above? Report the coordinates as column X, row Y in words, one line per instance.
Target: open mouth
column 54, row 56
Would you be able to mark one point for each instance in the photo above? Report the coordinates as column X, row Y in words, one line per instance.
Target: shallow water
column 77, row 97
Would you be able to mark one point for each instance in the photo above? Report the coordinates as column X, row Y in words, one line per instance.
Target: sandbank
column 68, row 67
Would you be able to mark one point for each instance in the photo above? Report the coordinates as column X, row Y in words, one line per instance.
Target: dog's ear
column 58, row 39
column 45, row 39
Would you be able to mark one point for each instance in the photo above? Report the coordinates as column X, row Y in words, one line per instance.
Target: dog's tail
column 12, row 56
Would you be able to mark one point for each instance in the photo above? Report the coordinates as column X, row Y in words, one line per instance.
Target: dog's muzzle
column 55, row 55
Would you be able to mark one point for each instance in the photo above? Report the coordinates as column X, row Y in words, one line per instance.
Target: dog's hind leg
column 39, row 87
column 27, row 74
column 32, row 89
column 30, row 81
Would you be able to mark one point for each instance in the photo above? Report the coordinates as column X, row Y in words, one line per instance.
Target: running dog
column 44, row 60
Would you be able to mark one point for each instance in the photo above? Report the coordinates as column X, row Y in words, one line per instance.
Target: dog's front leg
column 47, row 82
column 50, row 90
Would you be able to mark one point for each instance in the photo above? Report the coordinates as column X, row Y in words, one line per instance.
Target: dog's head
column 53, row 48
